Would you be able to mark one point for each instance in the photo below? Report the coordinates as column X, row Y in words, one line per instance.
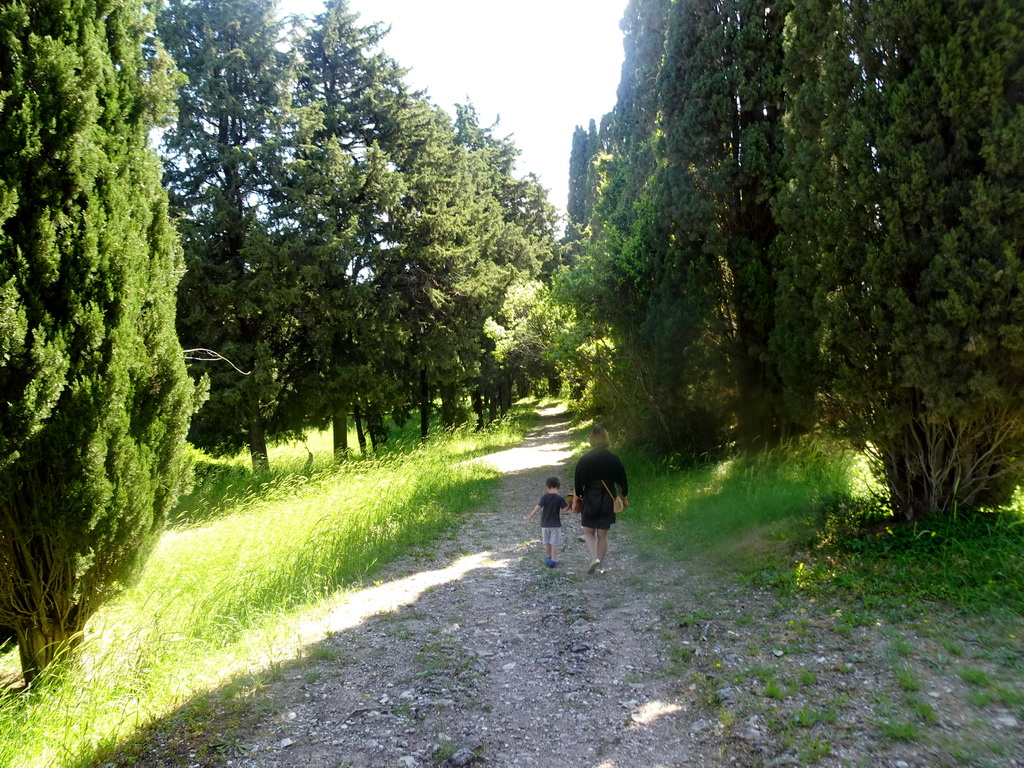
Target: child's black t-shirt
column 550, row 506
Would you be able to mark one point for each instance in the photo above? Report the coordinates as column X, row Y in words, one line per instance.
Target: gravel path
column 485, row 654
column 478, row 654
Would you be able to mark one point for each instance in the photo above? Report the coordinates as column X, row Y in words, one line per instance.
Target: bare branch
column 209, row 356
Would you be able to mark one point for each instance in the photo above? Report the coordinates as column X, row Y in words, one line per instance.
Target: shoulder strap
column 606, row 488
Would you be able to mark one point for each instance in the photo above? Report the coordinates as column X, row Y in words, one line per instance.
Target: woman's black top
column 599, row 464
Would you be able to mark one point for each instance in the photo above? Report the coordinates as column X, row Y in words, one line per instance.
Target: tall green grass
column 810, row 521
column 248, row 558
column 736, row 511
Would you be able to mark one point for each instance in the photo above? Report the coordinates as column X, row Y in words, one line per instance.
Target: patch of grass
column 975, row 676
column 900, row 730
column 812, row 750
column 906, row 679
column 900, row 648
column 808, row 716
column 843, row 629
column 807, row 521
column 807, row 677
column 679, row 658
column 322, row 653
column 952, row 647
column 924, row 710
column 734, row 510
column 898, row 567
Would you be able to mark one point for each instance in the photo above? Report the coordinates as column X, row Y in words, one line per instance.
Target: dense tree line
column 808, row 217
column 345, row 240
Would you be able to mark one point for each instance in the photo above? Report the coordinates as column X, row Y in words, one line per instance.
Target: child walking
column 550, row 506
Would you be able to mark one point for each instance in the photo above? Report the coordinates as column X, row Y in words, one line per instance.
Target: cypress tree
column 721, row 96
column 906, row 226
column 96, row 399
column 609, row 286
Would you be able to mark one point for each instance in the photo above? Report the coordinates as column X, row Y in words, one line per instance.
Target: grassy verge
column 736, row 512
column 837, row 636
column 248, row 558
column 805, row 522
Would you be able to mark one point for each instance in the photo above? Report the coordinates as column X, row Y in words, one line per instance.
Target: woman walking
column 600, row 475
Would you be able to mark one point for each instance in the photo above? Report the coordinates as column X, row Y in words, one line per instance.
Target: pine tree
column 340, row 191
column 224, row 158
column 96, row 399
column 906, row 227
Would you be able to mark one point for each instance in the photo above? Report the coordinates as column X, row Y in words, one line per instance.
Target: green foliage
column 973, row 562
column 583, row 180
column 346, row 239
column 903, row 286
column 526, row 333
column 720, row 96
column 680, row 263
column 845, row 258
column 223, row 165
column 343, row 185
column 96, row 400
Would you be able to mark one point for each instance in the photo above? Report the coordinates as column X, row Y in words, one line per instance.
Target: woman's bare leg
column 590, row 539
column 601, row 545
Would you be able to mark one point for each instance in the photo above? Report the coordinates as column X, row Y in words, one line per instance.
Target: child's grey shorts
column 552, row 536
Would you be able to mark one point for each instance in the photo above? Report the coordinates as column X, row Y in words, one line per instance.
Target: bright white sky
column 542, row 66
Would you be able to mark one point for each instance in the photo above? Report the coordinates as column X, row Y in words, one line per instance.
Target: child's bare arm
column 536, row 509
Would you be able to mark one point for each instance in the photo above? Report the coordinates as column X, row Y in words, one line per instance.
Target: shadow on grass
column 810, row 522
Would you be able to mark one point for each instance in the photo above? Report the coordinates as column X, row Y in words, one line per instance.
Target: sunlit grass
column 735, row 510
column 809, row 521
column 249, row 558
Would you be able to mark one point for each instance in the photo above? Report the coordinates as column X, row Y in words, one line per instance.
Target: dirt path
column 485, row 654
column 481, row 655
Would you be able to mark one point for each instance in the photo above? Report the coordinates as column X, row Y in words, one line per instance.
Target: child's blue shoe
column 551, row 563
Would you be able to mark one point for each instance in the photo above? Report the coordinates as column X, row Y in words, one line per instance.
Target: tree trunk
column 378, row 430
column 424, row 404
column 339, row 427
column 506, row 392
column 449, row 405
column 478, row 409
column 757, row 426
column 945, row 466
column 357, row 417
column 38, row 648
column 258, row 444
